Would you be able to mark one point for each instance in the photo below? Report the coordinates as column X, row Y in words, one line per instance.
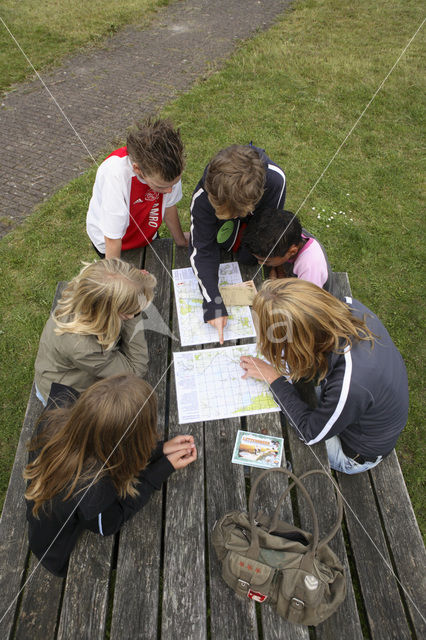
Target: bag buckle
column 296, row 603
column 243, row 583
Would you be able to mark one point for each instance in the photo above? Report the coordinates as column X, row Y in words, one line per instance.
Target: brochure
column 258, row 450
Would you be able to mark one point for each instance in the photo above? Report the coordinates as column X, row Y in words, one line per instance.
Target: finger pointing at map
column 258, row 369
column 219, row 324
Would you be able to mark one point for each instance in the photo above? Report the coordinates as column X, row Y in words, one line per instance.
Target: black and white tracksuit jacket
column 204, row 251
column 53, row 535
column 364, row 396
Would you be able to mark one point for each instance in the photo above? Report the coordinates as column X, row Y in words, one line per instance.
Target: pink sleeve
column 311, row 265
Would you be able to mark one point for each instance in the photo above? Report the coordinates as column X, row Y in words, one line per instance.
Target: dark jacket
column 204, row 251
column 53, row 535
column 364, row 396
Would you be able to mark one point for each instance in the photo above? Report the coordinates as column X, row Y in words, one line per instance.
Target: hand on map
column 181, row 451
column 219, row 324
column 258, row 369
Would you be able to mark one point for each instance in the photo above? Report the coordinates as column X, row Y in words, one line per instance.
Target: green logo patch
column 225, row 231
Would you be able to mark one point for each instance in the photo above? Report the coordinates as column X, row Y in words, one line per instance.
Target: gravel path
column 101, row 93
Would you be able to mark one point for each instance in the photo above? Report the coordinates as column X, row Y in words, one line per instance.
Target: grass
column 296, row 91
column 49, row 30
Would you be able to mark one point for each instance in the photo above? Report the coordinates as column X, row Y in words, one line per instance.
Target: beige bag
column 271, row 561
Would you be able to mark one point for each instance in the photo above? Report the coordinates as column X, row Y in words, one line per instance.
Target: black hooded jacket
column 204, row 251
column 54, row 533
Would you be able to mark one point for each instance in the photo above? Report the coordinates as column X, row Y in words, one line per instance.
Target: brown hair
column 299, row 324
column 235, row 181
column 157, row 148
column 110, row 430
column 94, row 302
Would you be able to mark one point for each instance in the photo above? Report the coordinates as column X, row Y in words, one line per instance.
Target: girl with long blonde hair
column 306, row 334
column 94, row 462
column 95, row 330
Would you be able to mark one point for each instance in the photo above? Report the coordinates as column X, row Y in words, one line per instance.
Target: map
column 209, row 385
column 189, row 303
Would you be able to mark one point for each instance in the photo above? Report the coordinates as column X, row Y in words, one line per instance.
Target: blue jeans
column 340, row 462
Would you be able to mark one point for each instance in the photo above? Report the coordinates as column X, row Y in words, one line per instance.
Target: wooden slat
column 273, row 626
column 339, row 285
column 345, row 622
column 225, row 492
column 382, row 602
column 84, row 607
column 40, row 604
column 402, row 530
column 136, row 593
column 13, row 524
column 184, row 540
column 134, row 257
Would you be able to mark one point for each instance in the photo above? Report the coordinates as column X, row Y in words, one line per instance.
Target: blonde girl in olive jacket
column 95, row 331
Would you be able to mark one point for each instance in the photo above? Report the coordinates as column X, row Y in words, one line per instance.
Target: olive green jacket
column 79, row 360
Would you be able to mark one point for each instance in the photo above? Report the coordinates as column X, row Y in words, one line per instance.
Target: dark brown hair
column 157, row 148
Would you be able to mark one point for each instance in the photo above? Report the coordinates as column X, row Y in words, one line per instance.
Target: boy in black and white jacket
column 238, row 182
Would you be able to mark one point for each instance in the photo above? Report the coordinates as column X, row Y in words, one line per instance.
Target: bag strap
column 335, row 528
column 253, row 551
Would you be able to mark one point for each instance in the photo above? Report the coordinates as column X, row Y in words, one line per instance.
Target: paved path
column 103, row 92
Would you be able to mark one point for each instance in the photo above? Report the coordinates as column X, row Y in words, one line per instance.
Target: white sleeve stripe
column 348, row 299
column 342, row 400
column 101, row 531
column 282, row 174
column 194, row 253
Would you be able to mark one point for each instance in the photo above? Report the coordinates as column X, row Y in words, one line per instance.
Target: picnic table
column 159, row 577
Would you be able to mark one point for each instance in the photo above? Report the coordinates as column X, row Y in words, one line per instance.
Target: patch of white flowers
column 333, row 215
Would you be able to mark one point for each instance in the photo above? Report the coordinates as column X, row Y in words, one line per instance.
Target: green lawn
column 47, row 31
column 296, row 91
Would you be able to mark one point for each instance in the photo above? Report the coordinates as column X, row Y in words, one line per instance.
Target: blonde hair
column 235, row 181
column 300, row 324
column 110, row 430
column 94, row 302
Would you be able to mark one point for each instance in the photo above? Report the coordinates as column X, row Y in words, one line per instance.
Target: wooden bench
column 159, row 577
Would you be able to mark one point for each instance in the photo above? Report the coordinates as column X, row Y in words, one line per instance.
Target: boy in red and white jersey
column 136, row 188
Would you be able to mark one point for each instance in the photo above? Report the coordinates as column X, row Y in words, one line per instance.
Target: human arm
column 169, row 456
column 112, row 517
column 112, row 247
column 204, row 254
column 130, row 355
column 311, row 263
column 172, row 222
column 275, row 188
column 108, row 214
column 341, row 404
